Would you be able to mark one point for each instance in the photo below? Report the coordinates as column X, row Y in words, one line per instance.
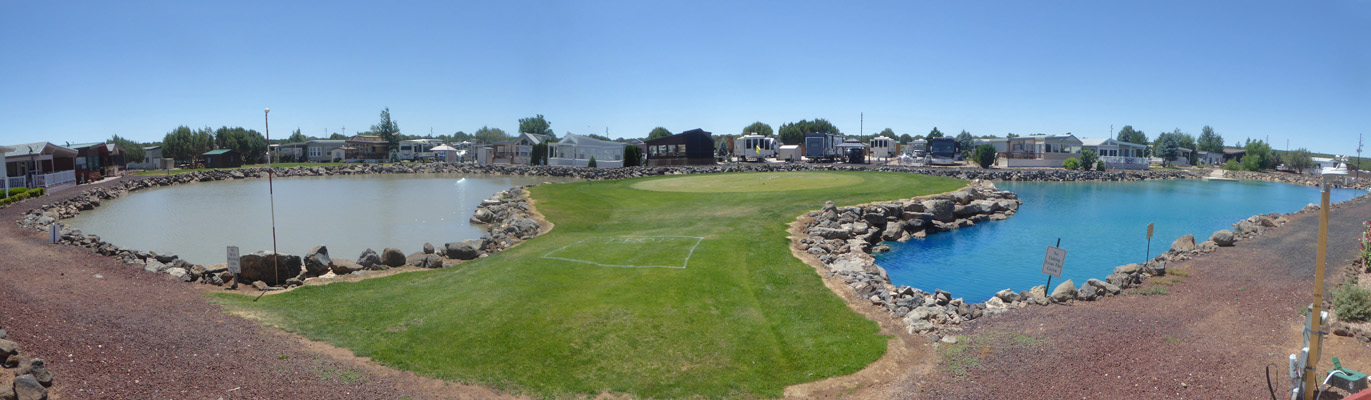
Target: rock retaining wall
column 1297, row 179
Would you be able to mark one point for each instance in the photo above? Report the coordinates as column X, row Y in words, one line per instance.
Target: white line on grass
column 683, row 265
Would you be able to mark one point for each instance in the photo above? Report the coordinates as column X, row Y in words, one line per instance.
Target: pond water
column 1101, row 225
column 347, row 213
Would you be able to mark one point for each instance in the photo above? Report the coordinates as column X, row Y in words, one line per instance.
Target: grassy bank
column 657, row 287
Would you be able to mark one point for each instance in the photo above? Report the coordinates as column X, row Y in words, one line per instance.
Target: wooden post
column 1311, row 376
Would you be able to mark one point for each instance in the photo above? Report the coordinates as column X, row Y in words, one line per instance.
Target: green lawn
column 274, row 165
column 554, row 317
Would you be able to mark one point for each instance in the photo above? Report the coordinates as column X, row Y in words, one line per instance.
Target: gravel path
column 108, row 330
column 1210, row 337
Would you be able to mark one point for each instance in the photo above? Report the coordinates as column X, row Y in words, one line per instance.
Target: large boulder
column 1065, row 291
column 392, row 257
column 463, row 250
column 369, row 259
column 26, row 387
column 942, row 210
column 1183, row 244
column 38, row 369
column 1222, row 237
column 269, row 267
column 428, row 248
column 317, row 261
column 431, row 261
column 344, row 267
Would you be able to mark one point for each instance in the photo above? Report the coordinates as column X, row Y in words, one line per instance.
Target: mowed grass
column 744, row 320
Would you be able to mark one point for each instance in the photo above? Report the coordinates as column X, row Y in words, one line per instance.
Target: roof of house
column 442, row 148
column 25, row 149
column 145, row 148
column 578, row 140
column 1095, row 142
column 1234, row 150
column 79, row 146
column 218, row 152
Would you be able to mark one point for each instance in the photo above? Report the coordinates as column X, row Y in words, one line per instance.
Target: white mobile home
column 883, row 147
column 576, row 151
column 1117, row 154
column 754, row 147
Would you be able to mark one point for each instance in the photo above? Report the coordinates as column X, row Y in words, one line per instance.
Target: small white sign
column 54, row 233
column 1052, row 262
column 233, row 260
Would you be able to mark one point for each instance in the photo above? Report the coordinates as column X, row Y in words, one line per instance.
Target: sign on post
column 54, row 233
column 1053, row 260
column 233, row 260
column 1149, row 230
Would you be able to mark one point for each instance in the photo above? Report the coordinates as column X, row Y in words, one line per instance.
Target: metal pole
column 1148, row 254
column 271, row 193
column 1316, row 316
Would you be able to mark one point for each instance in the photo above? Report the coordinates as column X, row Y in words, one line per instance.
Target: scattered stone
column 344, row 267
column 392, row 257
column 317, row 261
column 26, row 387
column 369, row 259
column 268, row 267
column 463, row 250
column 431, row 261
column 1222, row 237
column 259, row 285
column 428, row 248
column 36, row 368
column 1064, row 292
column 1183, row 244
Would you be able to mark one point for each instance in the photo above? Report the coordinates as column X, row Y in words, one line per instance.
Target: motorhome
column 822, row 146
column 941, row 151
column 754, row 147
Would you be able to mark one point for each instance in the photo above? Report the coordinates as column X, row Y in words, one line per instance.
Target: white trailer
column 789, row 153
column 882, row 148
column 755, row 147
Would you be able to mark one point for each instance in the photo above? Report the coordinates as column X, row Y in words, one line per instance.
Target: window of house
column 316, row 152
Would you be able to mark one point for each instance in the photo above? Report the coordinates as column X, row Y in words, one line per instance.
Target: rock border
column 1294, row 179
column 31, row 376
column 842, row 238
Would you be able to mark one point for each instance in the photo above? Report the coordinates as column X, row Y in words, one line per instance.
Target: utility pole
column 861, row 126
column 1358, row 176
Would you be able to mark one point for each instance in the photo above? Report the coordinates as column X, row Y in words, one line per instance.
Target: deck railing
column 1124, row 160
column 55, row 178
column 1023, row 155
column 17, row 181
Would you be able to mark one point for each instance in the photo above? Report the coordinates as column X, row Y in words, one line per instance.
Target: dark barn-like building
column 692, row 147
column 224, row 158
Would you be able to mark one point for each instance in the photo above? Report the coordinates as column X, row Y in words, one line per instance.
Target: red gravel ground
column 129, row 334
column 1236, row 312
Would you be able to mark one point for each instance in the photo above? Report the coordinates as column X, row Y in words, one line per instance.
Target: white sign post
column 1052, row 264
column 233, row 260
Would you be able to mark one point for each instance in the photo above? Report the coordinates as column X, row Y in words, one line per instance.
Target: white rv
column 754, row 147
column 883, row 147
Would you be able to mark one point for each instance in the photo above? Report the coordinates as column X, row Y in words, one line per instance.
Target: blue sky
column 1297, row 71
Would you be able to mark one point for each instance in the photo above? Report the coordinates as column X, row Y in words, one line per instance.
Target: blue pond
column 1101, row 225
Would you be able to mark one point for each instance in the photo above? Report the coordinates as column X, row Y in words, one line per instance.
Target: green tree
column 337, row 136
column 133, row 151
column 1128, row 134
column 965, row 142
column 536, row 125
column 539, row 154
column 297, row 137
column 1071, row 163
column 887, row 132
column 1011, row 135
column 758, row 128
column 935, row 133
column 1210, row 141
column 387, row 129
column 1300, row 160
column 722, row 147
column 658, row 133
column 985, row 155
column 905, row 138
column 250, row 143
column 591, row 163
column 488, row 135
column 601, row 137
column 1168, row 148
column 794, row 132
column 1258, row 156
column 1088, row 159
column 633, row 156
column 178, row 144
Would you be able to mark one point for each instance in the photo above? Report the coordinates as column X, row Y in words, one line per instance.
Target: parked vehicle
column 883, row 147
column 754, row 147
column 941, row 151
column 822, row 146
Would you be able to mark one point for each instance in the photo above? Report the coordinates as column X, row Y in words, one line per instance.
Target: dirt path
column 108, row 330
column 1210, row 337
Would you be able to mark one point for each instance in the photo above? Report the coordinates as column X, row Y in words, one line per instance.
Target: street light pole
column 271, row 193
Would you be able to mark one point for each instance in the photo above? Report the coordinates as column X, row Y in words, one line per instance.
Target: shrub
column 591, row 164
column 1232, row 165
column 985, row 155
column 1088, row 159
column 16, row 191
column 1251, row 163
column 632, row 156
column 1365, row 254
column 1071, row 163
column 1099, row 166
column 1352, row 302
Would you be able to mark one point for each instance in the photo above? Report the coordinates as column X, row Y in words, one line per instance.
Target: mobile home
column 755, row 147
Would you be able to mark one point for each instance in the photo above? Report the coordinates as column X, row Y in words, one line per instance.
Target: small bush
column 37, row 192
column 1365, row 240
column 1088, row 159
column 16, row 191
column 1099, row 166
column 1232, row 165
column 1352, row 302
column 1071, row 164
column 591, row 164
column 985, row 155
column 632, row 156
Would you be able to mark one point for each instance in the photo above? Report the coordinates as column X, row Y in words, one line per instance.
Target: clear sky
column 1287, row 70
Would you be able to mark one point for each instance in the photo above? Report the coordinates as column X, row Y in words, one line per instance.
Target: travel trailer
column 883, row 148
column 754, row 147
column 822, row 146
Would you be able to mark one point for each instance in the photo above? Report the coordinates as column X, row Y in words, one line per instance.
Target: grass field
column 743, row 319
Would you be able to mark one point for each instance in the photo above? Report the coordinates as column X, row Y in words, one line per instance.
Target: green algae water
column 346, row 213
column 1101, row 225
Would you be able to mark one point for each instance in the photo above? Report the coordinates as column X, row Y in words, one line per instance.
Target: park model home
column 39, row 164
column 576, row 151
column 1117, row 154
column 1035, row 150
column 518, row 151
column 318, row 150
